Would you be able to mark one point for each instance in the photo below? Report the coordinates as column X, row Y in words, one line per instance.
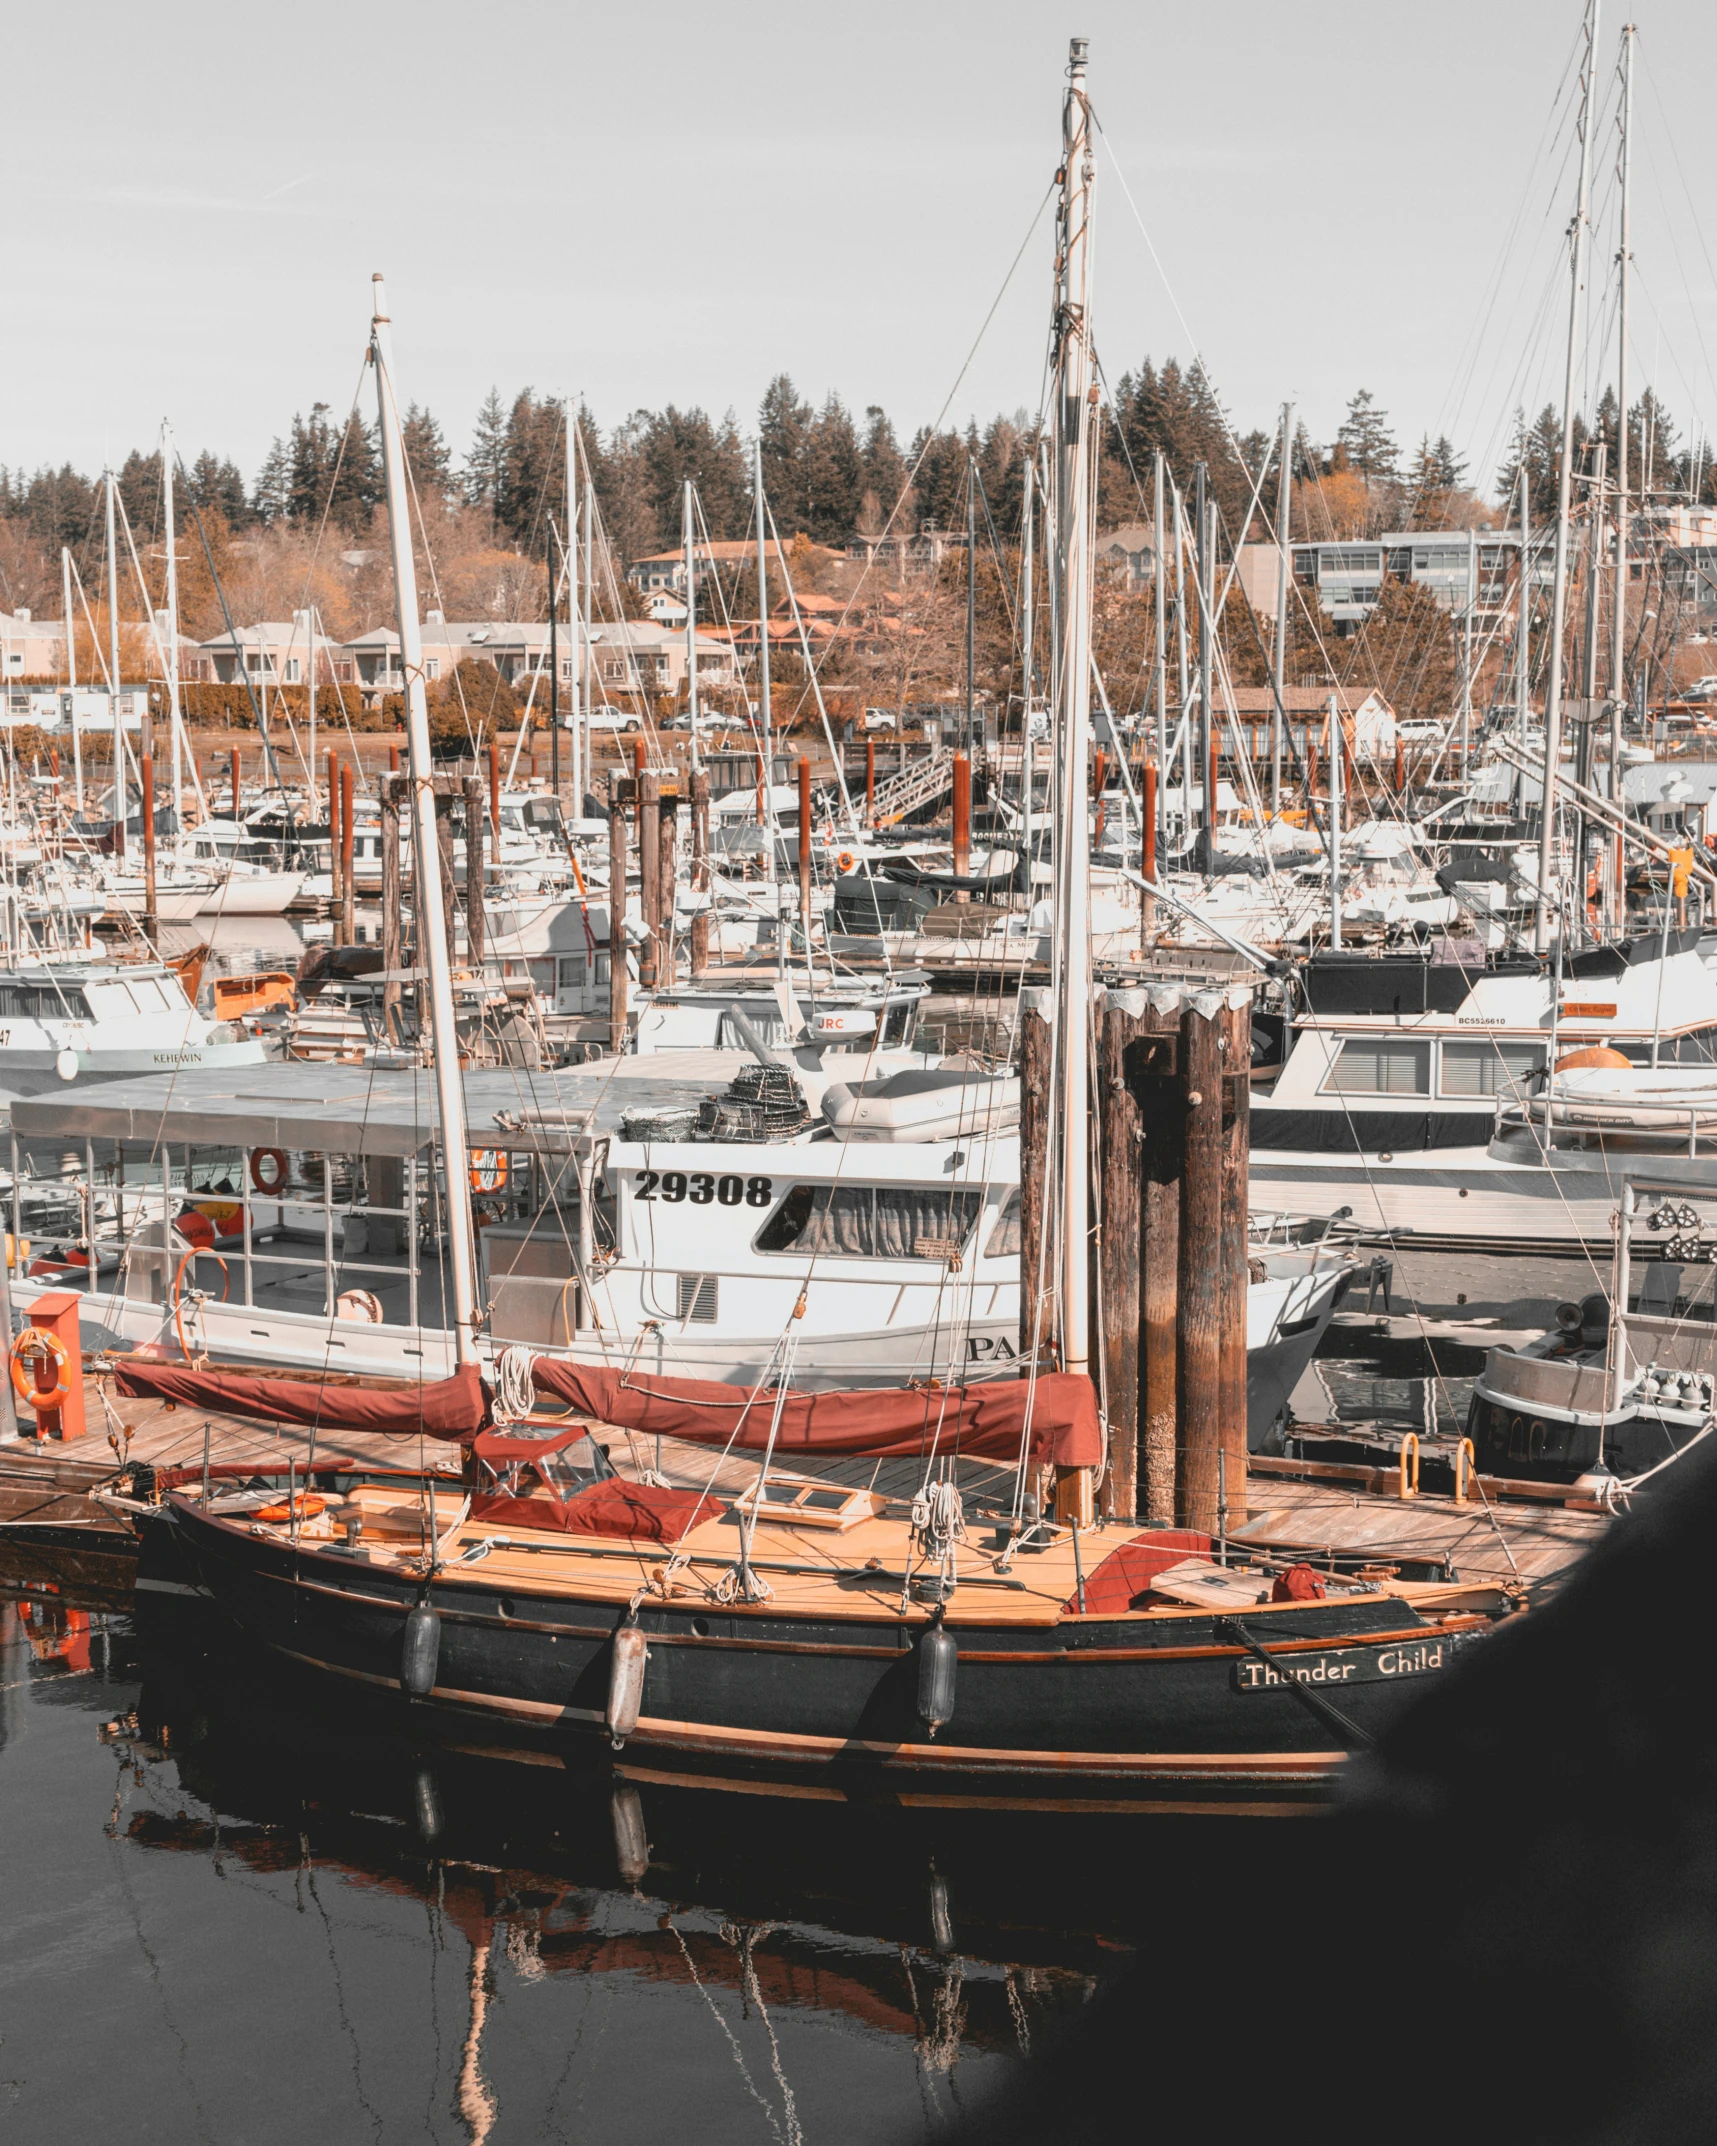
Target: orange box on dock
column 56, row 1371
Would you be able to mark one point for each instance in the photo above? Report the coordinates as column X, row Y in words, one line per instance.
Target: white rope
column 515, row 1384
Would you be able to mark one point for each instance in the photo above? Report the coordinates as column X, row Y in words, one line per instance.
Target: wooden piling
column 962, row 822
column 1035, row 1056
column 1199, row 1319
column 1162, row 1118
column 476, row 849
column 393, row 919
column 495, row 792
column 1236, row 1248
column 650, row 877
column 1121, row 1019
column 700, row 870
column 348, row 887
column 235, row 782
column 667, row 874
column 870, row 782
column 805, row 853
column 617, row 869
column 151, row 908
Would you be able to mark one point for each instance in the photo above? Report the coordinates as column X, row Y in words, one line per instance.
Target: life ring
column 306, row 1505
column 846, row 862
column 268, row 1186
column 32, row 1346
column 488, row 1169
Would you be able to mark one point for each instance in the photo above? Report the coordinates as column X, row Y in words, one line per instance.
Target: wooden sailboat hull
column 1113, row 1709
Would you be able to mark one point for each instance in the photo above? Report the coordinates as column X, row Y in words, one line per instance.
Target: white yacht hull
column 264, row 894
column 1454, row 1197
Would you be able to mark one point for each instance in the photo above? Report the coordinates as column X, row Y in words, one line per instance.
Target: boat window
column 43, row 1002
column 1385, row 1065
column 872, row 1221
column 765, row 1024
column 1490, row 1067
column 571, row 972
column 898, row 1023
column 1005, row 1237
column 150, row 995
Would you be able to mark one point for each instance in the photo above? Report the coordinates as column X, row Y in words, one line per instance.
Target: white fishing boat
column 81, row 1020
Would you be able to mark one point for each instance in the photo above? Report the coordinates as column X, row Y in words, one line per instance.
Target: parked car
column 1701, row 689
column 879, row 719
column 618, row 721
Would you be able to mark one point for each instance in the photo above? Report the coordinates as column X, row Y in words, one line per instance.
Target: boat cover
column 455, row 1407
column 637, row 1512
column 984, row 1421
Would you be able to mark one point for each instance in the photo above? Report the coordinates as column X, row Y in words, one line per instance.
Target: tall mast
column 1523, row 626
column 581, row 640
column 689, row 511
column 576, row 728
column 1160, row 576
column 971, row 591
column 1284, row 507
column 763, row 716
column 1619, row 600
column 113, row 675
column 72, row 671
column 1206, row 706
column 175, row 719
column 1564, row 494
column 1027, row 636
column 1073, row 541
column 426, row 848
column 553, row 667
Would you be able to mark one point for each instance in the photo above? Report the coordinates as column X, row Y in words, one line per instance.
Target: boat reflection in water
column 485, row 1943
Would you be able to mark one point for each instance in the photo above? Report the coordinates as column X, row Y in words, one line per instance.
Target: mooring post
column 476, row 870
column 617, row 868
column 1236, row 1249
column 393, row 918
column 1203, row 1026
column 1121, row 1019
column 962, row 823
column 1034, row 1051
column 700, row 870
column 1162, row 1098
column 348, row 890
column 668, row 815
column 650, row 876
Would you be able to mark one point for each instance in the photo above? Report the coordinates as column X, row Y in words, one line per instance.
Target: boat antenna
column 426, row 848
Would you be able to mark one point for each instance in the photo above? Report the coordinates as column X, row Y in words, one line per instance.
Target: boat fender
column 631, row 1845
column 426, row 1804
column 937, row 1656
column 420, row 1651
column 626, row 1682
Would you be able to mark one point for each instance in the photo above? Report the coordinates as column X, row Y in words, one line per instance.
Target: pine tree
column 355, row 481
column 426, row 453
column 783, row 432
column 485, row 465
column 885, row 474
column 1367, row 441
column 832, row 475
column 217, row 487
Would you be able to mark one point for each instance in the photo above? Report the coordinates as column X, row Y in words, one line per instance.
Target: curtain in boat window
column 872, row 1221
column 1489, row 1067
column 1004, row 1242
column 1386, row 1065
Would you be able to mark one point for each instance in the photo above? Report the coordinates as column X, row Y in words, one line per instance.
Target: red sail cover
column 455, row 1407
column 984, row 1421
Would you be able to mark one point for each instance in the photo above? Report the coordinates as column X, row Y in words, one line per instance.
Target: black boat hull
column 1175, row 1710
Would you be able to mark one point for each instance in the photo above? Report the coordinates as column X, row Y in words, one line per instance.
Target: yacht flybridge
column 66, row 1021
column 1408, row 1084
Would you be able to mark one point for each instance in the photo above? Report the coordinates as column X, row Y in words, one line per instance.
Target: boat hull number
column 1345, row 1665
column 702, row 1187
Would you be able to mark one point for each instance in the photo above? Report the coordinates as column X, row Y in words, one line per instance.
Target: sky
column 672, row 203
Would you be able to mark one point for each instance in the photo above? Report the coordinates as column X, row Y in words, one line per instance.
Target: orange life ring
column 306, row 1505
column 268, row 1186
column 28, row 1350
column 846, row 862
column 488, row 1169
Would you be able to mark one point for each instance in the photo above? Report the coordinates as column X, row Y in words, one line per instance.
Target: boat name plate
column 1345, row 1665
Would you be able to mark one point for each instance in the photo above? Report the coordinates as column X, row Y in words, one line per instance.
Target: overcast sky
column 672, row 202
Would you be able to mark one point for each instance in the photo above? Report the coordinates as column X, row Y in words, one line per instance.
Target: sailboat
column 843, row 1618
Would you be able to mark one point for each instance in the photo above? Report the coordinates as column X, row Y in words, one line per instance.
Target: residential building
column 31, row 647
column 1130, row 551
column 1464, row 569
column 273, row 652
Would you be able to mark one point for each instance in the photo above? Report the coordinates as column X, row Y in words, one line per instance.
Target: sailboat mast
column 426, row 848
column 688, row 533
column 113, row 676
column 1564, row 496
column 1073, row 541
column 576, row 727
column 1284, row 507
column 1619, row 599
column 763, row 715
column 72, row 672
column 175, row 718
column 1027, row 637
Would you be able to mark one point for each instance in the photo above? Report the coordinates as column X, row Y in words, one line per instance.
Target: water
column 242, row 1909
